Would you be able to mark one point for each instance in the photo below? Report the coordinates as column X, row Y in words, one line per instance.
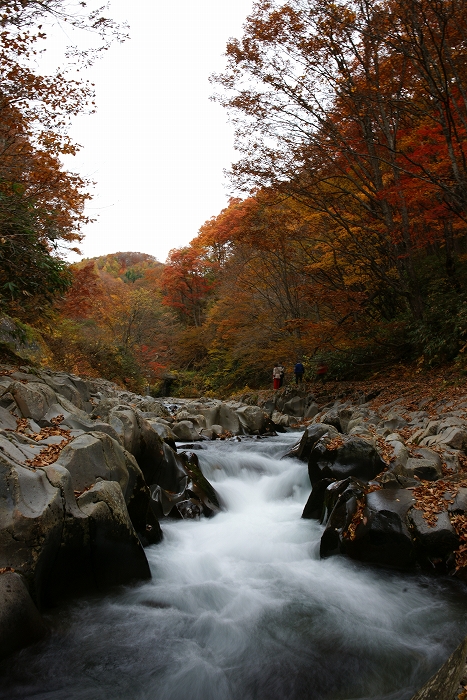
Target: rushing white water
column 240, row 607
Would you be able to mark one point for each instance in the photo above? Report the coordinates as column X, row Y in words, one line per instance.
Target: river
column 240, row 607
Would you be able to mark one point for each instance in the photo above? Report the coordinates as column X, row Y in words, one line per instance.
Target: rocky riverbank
column 87, row 471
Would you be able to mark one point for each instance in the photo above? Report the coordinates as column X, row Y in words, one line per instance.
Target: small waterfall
column 240, row 607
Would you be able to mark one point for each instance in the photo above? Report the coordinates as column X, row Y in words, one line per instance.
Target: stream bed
column 240, row 607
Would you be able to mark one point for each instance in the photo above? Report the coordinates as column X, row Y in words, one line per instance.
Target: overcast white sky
column 157, row 146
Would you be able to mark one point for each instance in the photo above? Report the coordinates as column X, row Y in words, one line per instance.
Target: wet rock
column 314, row 508
column 168, row 473
column 355, row 457
column 198, row 485
column 340, row 505
column 189, row 486
column 383, row 536
column 189, row 510
column 20, row 621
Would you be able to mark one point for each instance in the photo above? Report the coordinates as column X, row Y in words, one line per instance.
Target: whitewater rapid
column 240, row 607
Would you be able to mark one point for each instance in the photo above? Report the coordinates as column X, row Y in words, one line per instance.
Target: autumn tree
column 357, row 111
column 187, row 281
column 41, row 205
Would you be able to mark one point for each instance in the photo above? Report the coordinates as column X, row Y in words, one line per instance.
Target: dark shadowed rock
column 383, row 536
column 20, row 621
column 425, row 469
column 340, row 505
column 117, row 554
column 355, row 457
column 198, row 486
column 315, row 505
column 434, row 543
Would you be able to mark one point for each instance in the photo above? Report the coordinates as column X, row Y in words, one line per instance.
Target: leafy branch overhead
column 41, row 204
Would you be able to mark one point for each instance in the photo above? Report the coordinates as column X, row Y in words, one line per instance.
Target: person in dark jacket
column 299, row 371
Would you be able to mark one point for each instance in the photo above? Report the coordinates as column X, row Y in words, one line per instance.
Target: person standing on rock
column 299, row 371
column 276, row 376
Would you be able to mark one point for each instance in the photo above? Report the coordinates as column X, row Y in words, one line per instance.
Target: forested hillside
column 345, row 244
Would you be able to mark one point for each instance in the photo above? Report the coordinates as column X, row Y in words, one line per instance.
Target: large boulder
column 382, row 536
column 353, row 457
column 33, row 399
column 296, row 406
column 218, row 413
column 185, row 431
column 117, row 554
column 71, row 387
column 139, row 438
column 31, row 519
column 253, row 419
column 96, row 455
column 311, row 435
column 190, row 494
column 76, row 420
column 199, row 488
column 341, row 501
